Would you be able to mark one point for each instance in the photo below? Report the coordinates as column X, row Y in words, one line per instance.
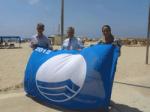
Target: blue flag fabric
column 72, row 79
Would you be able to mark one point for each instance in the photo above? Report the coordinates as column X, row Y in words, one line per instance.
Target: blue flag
column 72, row 79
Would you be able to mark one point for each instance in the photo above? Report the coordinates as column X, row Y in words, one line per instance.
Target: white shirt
column 73, row 44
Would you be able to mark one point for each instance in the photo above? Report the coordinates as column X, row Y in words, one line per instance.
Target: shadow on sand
column 114, row 107
column 122, row 108
column 133, row 85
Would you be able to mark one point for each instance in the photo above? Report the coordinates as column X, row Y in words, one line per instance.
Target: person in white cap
column 72, row 43
column 40, row 40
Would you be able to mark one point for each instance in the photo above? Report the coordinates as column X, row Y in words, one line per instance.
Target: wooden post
column 148, row 38
column 62, row 21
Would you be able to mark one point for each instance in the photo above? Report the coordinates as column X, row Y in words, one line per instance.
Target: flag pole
column 148, row 37
column 62, row 21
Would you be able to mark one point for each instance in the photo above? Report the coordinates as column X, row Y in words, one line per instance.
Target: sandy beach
column 13, row 63
column 131, row 90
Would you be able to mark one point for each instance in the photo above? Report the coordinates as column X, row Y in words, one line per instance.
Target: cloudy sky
column 128, row 18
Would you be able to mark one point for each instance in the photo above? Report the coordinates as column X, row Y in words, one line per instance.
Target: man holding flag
column 72, row 43
column 40, row 40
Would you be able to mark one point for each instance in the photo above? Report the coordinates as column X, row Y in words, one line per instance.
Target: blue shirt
column 72, row 44
column 41, row 41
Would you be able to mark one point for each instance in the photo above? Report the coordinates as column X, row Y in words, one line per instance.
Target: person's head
column 40, row 28
column 70, row 32
column 106, row 29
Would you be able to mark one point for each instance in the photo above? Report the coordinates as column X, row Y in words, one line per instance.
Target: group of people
column 71, row 43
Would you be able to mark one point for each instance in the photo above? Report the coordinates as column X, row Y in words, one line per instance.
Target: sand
column 21, row 104
column 12, row 65
column 131, row 91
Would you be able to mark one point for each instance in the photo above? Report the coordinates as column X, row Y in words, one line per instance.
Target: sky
column 127, row 18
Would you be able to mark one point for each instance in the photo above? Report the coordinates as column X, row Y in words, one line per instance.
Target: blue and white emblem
column 61, row 77
column 70, row 79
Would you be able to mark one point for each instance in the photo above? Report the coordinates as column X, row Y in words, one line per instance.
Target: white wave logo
column 61, row 77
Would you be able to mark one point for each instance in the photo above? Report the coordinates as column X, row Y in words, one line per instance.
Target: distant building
column 56, row 39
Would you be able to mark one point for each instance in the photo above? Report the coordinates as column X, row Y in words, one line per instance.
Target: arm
column 119, row 45
column 64, row 45
column 80, row 44
column 33, row 43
